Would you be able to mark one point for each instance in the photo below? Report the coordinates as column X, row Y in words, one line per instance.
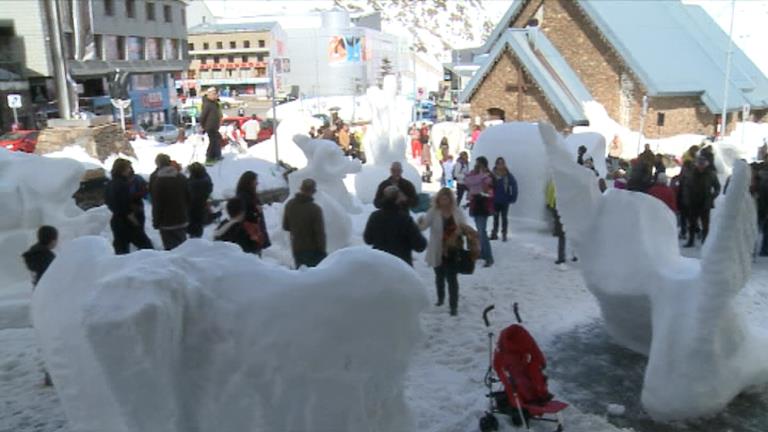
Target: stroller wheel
column 488, row 423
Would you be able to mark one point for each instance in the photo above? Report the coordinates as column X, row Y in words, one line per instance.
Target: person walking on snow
column 124, row 196
column 701, row 190
column 460, row 171
column 252, row 128
column 200, row 189
column 232, row 229
column 504, row 194
column 404, row 186
column 480, row 189
column 391, row 230
column 447, row 225
column 304, row 220
column 254, row 221
column 210, row 121
column 170, row 205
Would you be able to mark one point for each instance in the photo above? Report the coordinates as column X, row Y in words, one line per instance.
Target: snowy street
column 444, row 387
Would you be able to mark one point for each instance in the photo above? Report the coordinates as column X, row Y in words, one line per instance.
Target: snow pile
column 595, row 144
column 679, row 311
column 77, row 153
column 208, row 338
column 37, row 191
column 328, row 166
column 385, row 141
column 521, row 146
column 291, row 124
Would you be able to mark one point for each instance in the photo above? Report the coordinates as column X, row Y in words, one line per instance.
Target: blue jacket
column 505, row 189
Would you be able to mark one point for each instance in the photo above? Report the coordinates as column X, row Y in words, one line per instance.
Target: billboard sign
column 346, row 49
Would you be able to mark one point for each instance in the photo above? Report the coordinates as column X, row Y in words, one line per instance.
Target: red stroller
column 518, row 364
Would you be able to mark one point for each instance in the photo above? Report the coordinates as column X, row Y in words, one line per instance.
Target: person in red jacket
column 663, row 192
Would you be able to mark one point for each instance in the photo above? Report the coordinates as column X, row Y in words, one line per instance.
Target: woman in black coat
column 124, row 198
column 254, row 216
column 200, row 188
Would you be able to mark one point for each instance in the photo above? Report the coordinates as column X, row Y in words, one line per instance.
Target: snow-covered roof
column 543, row 62
column 677, row 49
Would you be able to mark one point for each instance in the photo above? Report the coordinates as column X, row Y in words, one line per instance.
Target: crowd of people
column 350, row 141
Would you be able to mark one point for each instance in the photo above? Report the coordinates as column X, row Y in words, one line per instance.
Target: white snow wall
column 207, row 338
column 679, row 311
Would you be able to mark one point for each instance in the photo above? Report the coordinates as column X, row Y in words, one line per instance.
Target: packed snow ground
column 444, row 384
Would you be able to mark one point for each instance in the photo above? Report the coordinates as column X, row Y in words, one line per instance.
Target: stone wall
column 500, row 90
column 99, row 141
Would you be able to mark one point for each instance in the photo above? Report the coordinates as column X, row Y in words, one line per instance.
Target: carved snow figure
column 208, row 338
column 328, row 166
column 385, row 140
column 679, row 311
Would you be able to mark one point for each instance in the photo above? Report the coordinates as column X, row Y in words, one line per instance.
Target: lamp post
column 274, row 106
column 729, row 56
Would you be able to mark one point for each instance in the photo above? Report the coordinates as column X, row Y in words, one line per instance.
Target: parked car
column 266, row 127
column 230, row 102
column 163, row 133
column 20, row 140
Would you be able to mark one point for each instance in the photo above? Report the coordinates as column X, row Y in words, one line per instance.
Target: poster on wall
column 286, row 65
column 346, row 49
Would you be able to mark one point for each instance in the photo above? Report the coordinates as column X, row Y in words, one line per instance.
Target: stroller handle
column 485, row 314
column 517, row 313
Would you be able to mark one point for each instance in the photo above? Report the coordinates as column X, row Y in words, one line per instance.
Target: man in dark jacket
column 404, row 186
column 701, row 190
column 391, row 230
column 170, row 205
column 304, row 220
column 124, row 196
column 210, row 120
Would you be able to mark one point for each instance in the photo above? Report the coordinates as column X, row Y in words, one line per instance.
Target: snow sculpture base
column 207, row 338
column 679, row 311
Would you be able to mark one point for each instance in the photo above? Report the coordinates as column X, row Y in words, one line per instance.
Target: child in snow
column 38, row 258
column 232, row 230
column 41, row 255
column 448, row 172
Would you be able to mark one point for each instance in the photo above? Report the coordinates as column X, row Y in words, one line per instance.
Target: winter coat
column 117, row 197
column 505, row 189
column 701, row 189
column 392, row 231
column 210, row 116
column 37, row 259
column 640, row 179
column 480, row 190
column 170, row 199
column 460, row 171
column 666, row 194
column 648, row 158
column 406, row 188
column 199, row 191
column 254, row 215
column 304, row 220
column 433, row 220
column 234, row 232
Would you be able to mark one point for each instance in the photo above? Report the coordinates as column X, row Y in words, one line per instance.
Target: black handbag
column 464, row 262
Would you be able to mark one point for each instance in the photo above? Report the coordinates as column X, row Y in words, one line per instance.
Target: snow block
column 208, row 338
column 679, row 311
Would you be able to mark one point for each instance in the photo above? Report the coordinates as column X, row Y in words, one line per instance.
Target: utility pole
column 728, row 61
column 59, row 62
column 274, row 106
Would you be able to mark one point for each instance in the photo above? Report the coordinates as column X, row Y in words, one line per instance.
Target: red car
column 20, row 140
column 265, row 132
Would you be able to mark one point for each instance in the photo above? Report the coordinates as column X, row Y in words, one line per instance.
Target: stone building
column 547, row 58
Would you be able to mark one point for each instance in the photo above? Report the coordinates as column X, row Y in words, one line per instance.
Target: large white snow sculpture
column 328, row 166
column 679, row 311
column 385, row 140
column 521, row 147
column 36, row 191
column 207, row 338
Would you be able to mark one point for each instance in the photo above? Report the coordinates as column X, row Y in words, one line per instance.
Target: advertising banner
column 346, row 49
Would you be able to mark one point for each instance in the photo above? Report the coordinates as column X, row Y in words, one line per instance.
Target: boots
column 494, row 236
column 504, row 237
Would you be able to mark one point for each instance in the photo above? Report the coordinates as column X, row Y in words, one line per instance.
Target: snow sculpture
column 679, row 311
column 37, row 191
column 521, row 147
column 292, row 123
column 595, row 144
column 328, row 166
column 207, row 338
column 455, row 134
column 385, row 140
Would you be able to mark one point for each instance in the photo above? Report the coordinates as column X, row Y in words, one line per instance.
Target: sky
column 750, row 28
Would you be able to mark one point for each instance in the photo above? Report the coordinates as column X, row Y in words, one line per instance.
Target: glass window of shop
column 135, row 48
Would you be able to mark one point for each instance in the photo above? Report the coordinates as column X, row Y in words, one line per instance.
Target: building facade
column 144, row 38
column 678, row 65
column 234, row 57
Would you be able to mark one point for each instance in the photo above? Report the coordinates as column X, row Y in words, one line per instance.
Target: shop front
column 151, row 103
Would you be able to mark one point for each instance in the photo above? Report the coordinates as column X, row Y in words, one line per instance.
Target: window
column 205, row 45
column 150, row 11
column 191, row 46
column 130, row 8
column 170, row 49
column 109, row 7
column 135, row 48
column 260, row 57
column 168, row 13
column 216, row 59
column 246, row 44
column 219, row 45
column 231, row 59
column 203, row 59
column 183, row 16
column 245, row 59
column 154, row 51
column 120, row 45
column 262, row 43
column 98, row 43
column 69, row 45
column 233, row 45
